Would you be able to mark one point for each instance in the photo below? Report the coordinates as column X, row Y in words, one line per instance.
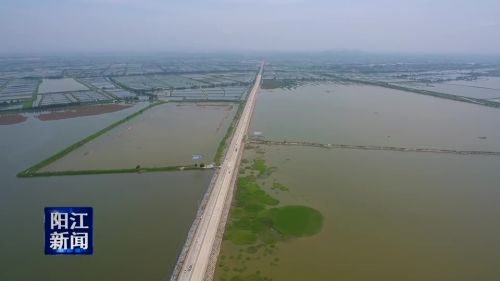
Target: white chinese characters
column 64, row 235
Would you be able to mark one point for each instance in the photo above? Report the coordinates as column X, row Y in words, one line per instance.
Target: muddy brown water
column 387, row 215
column 140, row 220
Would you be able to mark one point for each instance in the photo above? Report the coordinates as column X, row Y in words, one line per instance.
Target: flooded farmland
column 166, row 135
column 339, row 181
column 481, row 82
column 386, row 215
column 141, row 220
column 60, row 85
column 485, row 88
column 368, row 115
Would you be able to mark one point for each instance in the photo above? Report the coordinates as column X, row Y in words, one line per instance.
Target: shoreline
column 10, row 119
column 80, row 111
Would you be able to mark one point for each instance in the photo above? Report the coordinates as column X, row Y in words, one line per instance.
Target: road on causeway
column 197, row 258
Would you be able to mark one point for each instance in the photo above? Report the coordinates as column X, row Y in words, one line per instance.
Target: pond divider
column 374, row 147
column 34, row 171
column 483, row 102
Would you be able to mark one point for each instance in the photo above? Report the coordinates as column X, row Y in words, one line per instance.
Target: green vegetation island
column 257, row 223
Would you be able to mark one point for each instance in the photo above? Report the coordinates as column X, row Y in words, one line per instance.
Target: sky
column 400, row 26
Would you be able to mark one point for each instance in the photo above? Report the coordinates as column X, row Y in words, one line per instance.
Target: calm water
column 140, row 220
column 482, row 88
column 165, row 135
column 387, row 215
column 367, row 115
column 484, row 82
column 60, row 85
column 462, row 90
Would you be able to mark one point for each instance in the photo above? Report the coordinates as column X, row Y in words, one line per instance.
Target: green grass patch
column 34, row 170
column 261, row 167
column 279, row 186
column 243, row 237
column 111, row 171
column 222, row 145
column 256, row 224
column 28, row 104
column 296, row 221
column 255, row 217
column 251, row 202
column 249, row 192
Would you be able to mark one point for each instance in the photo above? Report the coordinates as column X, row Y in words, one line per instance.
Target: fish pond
column 331, row 214
column 140, row 220
column 318, row 213
column 170, row 134
column 367, row 115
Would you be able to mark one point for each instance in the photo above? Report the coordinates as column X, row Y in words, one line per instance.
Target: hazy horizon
column 124, row 26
